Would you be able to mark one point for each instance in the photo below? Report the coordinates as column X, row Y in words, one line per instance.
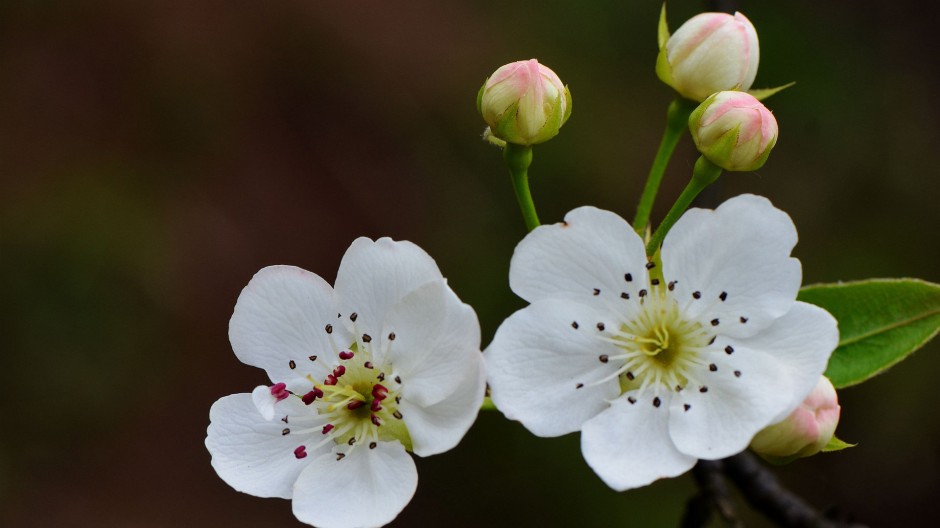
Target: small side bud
column 524, row 103
column 710, row 53
column 808, row 429
column 734, row 131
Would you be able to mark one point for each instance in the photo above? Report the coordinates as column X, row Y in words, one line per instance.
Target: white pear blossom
column 387, row 362
column 658, row 366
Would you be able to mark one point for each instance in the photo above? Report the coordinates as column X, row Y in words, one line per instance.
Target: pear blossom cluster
column 659, row 356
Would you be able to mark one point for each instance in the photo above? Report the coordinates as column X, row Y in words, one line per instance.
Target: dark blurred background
column 154, row 155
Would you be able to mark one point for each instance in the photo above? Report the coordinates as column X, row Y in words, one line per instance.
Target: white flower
column 387, row 362
column 658, row 370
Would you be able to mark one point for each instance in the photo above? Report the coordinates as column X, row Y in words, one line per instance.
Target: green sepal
column 480, row 97
column 488, row 405
column 662, row 31
column 836, row 445
column 722, row 151
column 881, row 322
column 763, row 93
column 490, row 138
column 663, row 69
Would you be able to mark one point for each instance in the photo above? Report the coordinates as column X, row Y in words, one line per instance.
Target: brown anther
column 579, row 386
column 574, row 324
column 686, row 406
column 624, row 295
column 292, row 364
column 655, row 282
column 367, row 364
column 650, row 265
column 723, row 296
column 714, row 322
column 657, row 402
column 596, row 292
column 329, row 329
column 391, row 336
column 312, row 358
column 743, row 319
column 397, row 414
column 366, row 338
column 604, row 358
column 340, row 456
column 372, row 445
column 285, row 431
column 631, row 399
column 630, row 376
column 600, row 326
column 696, row 294
column 713, row 367
column 729, row 350
column 703, row 390
column 398, row 380
column 737, row 373
column 628, row 277
column 353, row 316
column 351, row 441
column 376, row 420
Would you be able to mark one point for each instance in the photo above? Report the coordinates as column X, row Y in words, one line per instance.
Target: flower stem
column 518, row 158
column 703, row 174
column 677, row 121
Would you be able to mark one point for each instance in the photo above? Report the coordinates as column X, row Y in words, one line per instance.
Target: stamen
column 729, row 350
column 596, row 292
column 309, row 397
column 696, row 294
column 379, row 392
column 656, row 402
column 372, row 445
column 279, row 391
column 300, row 452
column 329, row 329
column 723, row 296
column 327, row 428
column 366, row 338
column 628, row 277
column 391, row 336
column 367, row 364
column 312, row 358
column 339, row 371
column 346, row 354
column 285, row 431
column 353, row 316
column 355, row 404
column 397, row 414
column 574, row 324
column 376, row 420
column 743, row 319
column 292, row 364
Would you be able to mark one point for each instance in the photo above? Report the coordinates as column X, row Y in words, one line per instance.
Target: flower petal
column 367, row 488
column 585, row 258
column 439, row 427
column 628, row 445
column 732, row 266
column 280, row 320
column 250, row 453
column 436, row 345
column 761, row 382
column 544, row 372
column 374, row 276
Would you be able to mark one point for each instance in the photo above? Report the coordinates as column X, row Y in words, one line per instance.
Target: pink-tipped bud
column 346, row 354
column 279, row 391
column 806, row 431
column 711, row 52
column 734, row 131
column 524, row 103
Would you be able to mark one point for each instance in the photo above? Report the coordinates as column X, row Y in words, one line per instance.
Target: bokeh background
column 155, row 154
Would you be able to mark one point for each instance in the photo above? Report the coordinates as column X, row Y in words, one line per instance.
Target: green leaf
column 835, row 444
column 662, row 33
column 881, row 322
column 763, row 93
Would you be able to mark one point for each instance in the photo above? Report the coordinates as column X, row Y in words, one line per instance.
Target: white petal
column 436, row 345
column 741, row 249
column 537, row 360
column 628, row 445
column 591, row 250
column 280, row 317
column 374, row 276
column 439, row 427
column 369, row 487
column 264, row 401
column 778, row 368
column 250, row 453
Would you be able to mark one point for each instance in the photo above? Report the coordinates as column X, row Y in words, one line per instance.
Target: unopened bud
column 711, row 52
column 734, row 131
column 524, row 103
column 806, row 431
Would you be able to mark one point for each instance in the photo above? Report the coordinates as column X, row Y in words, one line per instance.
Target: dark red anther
column 376, row 405
column 309, row 397
column 330, row 380
column 339, row 371
column 376, row 420
column 327, row 428
column 317, row 392
column 379, row 392
column 367, row 364
column 355, row 404
column 300, row 452
column 279, row 391
column 346, row 354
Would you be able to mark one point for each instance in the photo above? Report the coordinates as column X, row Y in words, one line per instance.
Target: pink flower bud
column 806, row 431
column 524, row 103
column 710, row 53
column 734, row 131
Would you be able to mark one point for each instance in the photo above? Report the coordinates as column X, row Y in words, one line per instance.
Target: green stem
column 704, row 174
column 518, row 158
column 677, row 122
